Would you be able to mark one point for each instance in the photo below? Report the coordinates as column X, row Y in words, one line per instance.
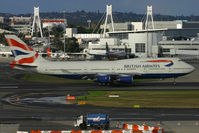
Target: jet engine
column 103, row 78
column 125, row 78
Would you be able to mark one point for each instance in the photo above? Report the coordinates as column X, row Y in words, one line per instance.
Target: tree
column 3, row 39
column 57, row 43
column 81, row 29
column 58, row 33
column 72, row 45
column 6, row 27
column 22, row 37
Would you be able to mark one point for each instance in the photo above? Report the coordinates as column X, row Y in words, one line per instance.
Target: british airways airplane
column 104, row 72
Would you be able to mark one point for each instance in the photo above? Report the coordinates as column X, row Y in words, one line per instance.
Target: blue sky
column 166, row 7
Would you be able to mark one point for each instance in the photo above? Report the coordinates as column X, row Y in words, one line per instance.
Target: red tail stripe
column 12, row 66
column 159, row 61
column 26, row 60
column 14, row 62
column 17, row 44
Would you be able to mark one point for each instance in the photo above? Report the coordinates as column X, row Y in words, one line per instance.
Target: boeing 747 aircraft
column 104, row 72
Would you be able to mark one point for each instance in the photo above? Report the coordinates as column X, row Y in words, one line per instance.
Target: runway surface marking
column 8, row 84
column 9, row 87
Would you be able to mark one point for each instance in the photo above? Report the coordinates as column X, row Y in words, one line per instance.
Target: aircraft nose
column 191, row 68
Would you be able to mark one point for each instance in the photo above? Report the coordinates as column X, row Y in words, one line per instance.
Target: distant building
column 190, row 25
column 159, row 42
column 70, row 32
column 21, row 24
column 178, row 24
column 179, row 47
column 5, row 31
column 5, row 51
column 167, row 25
column 50, row 23
column 21, row 28
column 1, row 19
column 136, row 26
column 99, row 47
column 169, row 38
column 127, row 26
column 88, row 37
column 20, row 19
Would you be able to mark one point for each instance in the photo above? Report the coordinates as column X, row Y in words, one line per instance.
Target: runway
column 60, row 116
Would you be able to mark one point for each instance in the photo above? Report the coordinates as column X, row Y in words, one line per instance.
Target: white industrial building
column 70, row 32
column 21, row 27
column 1, row 19
column 49, row 23
column 127, row 26
column 20, row 19
column 5, row 31
column 179, row 47
column 5, row 51
column 158, row 42
column 149, row 38
column 144, row 44
column 99, row 47
column 148, row 43
column 136, row 26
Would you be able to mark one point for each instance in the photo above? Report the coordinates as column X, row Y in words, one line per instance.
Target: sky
column 165, row 7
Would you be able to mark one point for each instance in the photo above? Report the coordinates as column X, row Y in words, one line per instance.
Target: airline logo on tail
column 22, row 52
column 167, row 65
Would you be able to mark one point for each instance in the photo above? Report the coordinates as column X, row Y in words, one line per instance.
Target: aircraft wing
column 112, row 75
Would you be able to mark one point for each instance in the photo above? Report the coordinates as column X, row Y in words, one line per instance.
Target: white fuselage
column 137, row 66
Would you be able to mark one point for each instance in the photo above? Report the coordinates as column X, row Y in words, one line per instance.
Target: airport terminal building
column 169, row 38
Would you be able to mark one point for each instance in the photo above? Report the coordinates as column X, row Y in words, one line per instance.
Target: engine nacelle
column 125, row 78
column 103, row 78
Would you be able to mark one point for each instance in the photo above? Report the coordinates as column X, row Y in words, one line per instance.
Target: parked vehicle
column 97, row 121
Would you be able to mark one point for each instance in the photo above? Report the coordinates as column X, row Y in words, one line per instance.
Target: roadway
column 34, row 116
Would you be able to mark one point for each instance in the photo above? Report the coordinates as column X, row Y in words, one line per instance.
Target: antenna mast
column 36, row 21
column 149, row 15
column 108, row 15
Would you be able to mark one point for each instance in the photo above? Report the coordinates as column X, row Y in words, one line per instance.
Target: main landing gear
column 104, row 84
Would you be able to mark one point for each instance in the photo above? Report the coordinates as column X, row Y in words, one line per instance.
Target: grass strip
column 145, row 99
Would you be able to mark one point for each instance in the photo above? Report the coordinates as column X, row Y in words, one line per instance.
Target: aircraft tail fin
column 23, row 54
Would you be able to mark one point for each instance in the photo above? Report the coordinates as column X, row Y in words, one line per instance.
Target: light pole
column 49, row 37
column 89, row 23
column 64, row 12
